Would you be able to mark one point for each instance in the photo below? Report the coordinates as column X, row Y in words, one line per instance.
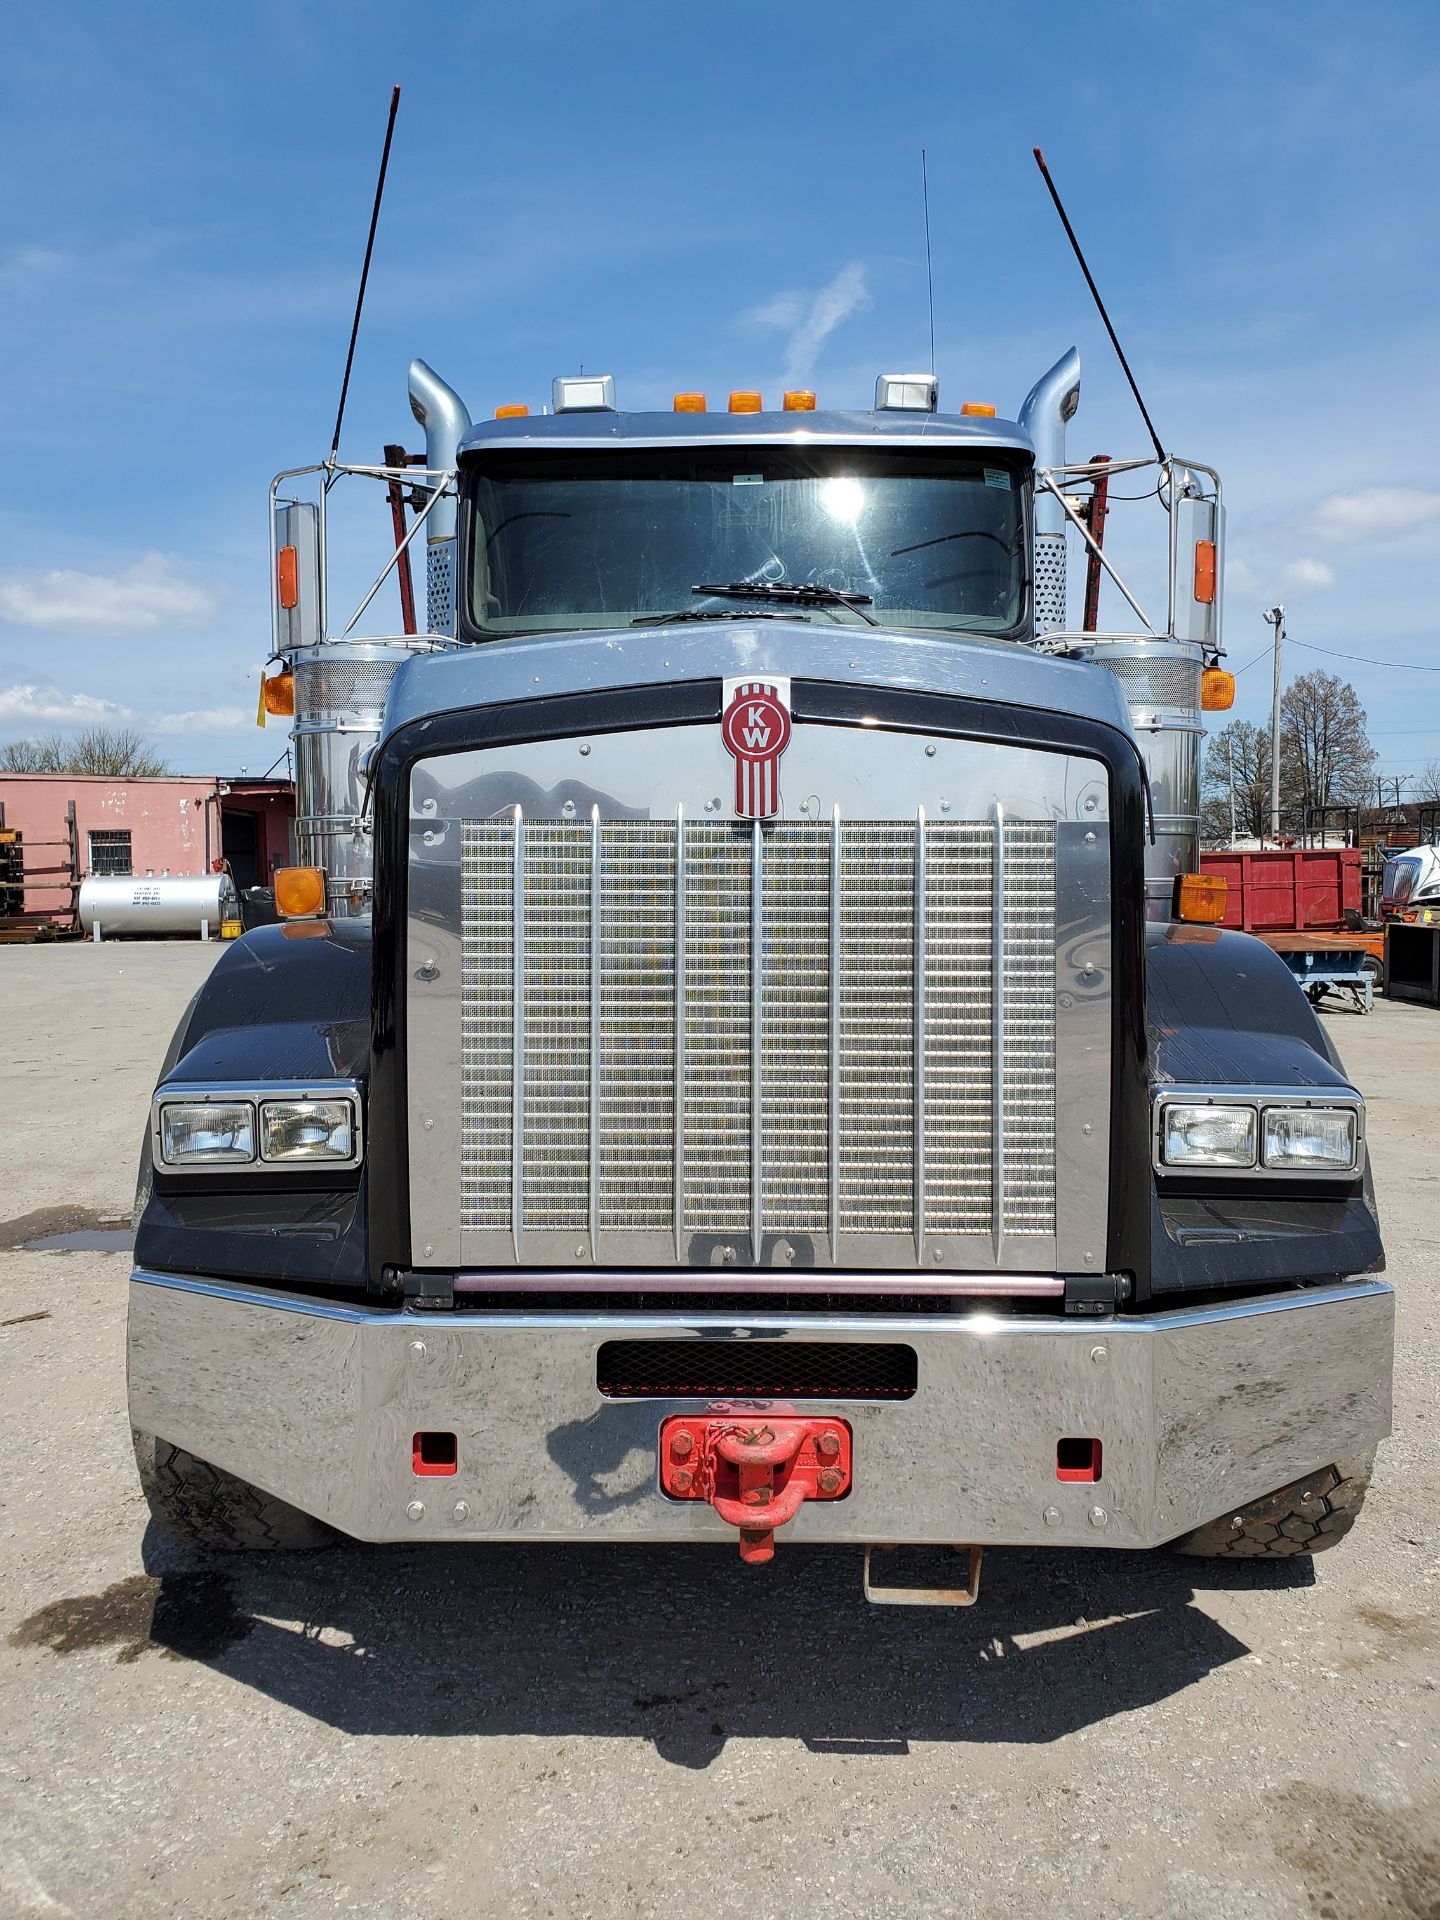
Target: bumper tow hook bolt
column 682, row 1445
column 828, row 1445
column 828, row 1480
column 682, row 1479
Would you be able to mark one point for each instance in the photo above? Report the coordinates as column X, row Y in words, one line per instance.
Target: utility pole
column 1276, row 617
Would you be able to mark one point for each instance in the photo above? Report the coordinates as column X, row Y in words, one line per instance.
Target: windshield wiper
column 699, row 613
column 801, row 593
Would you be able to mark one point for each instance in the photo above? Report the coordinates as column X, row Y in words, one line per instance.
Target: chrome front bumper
column 1197, row 1410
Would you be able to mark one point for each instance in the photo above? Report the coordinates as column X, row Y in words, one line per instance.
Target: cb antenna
column 929, row 274
column 364, row 273
column 1100, row 304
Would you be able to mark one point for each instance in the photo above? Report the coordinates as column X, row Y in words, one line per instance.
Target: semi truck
column 747, row 1049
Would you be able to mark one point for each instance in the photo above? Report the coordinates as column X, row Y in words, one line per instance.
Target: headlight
column 1210, row 1136
column 208, row 1133
column 1310, row 1139
column 293, row 1130
column 285, row 1126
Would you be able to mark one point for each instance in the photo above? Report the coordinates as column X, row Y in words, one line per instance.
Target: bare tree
column 1325, row 754
column 1427, row 785
column 1244, row 751
column 117, row 751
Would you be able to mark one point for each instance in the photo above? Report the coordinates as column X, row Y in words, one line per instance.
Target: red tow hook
column 755, row 1473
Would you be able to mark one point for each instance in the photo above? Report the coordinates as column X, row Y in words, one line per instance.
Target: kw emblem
column 755, row 727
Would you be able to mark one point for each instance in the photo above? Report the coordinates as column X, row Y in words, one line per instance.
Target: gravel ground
column 520, row 1732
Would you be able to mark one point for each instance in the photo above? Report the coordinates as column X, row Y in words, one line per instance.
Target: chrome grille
column 725, row 1044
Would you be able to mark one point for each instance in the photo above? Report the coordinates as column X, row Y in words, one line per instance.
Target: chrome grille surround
column 844, row 1103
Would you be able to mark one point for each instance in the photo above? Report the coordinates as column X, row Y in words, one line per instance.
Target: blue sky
column 689, row 197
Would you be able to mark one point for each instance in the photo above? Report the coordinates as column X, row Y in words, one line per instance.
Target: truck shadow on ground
column 681, row 1646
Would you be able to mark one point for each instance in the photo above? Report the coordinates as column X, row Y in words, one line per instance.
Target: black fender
column 283, row 1003
column 1223, row 1010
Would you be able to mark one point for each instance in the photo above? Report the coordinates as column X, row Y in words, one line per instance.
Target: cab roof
column 591, row 431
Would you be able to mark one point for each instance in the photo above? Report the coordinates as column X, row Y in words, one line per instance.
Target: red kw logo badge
column 756, row 730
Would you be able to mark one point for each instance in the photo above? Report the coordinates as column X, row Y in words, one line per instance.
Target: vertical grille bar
column 834, row 1141
column 757, row 1039
column 679, row 1033
column 918, row 1123
column 517, row 1043
column 595, row 1062
column 997, row 1035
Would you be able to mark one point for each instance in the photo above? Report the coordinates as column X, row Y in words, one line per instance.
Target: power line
column 1365, row 659
column 1263, row 655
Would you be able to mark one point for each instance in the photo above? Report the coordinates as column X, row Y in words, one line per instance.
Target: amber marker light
column 1217, row 690
column 1200, row 898
column 299, row 892
column 745, row 401
column 1205, row 572
column 799, row 400
column 287, row 577
column 979, row 409
column 512, row 413
column 689, row 403
column 278, row 693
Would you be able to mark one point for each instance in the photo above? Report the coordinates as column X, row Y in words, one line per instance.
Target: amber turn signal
column 512, row 413
column 299, row 892
column 745, row 401
column 1200, row 898
column 799, row 400
column 1217, row 690
column 979, row 409
column 278, row 692
column 689, row 403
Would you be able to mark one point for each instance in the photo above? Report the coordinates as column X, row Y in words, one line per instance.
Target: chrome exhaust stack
column 445, row 418
column 1049, row 406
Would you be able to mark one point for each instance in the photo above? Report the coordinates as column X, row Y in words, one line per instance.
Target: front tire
column 1306, row 1517
column 207, row 1507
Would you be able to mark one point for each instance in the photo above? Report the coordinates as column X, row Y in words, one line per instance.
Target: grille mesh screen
column 595, row 1079
column 344, row 688
column 1155, row 682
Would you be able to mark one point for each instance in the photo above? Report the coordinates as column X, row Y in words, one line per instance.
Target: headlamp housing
column 1258, row 1133
column 316, row 1127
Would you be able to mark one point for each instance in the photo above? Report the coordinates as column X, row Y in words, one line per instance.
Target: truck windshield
column 568, row 541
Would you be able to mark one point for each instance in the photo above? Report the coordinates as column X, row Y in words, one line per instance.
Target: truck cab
column 750, row 1051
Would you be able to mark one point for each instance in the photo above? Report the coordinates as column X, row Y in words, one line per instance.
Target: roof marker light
column 512, row 413
column 745, row 400
column 689, row 403
column 799, row 400
column 979, row 409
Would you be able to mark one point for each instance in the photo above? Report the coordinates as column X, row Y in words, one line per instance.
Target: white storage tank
column 152, row 904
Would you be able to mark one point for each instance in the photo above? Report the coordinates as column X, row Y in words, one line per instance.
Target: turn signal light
column 1217, row 690
column 299, row 892
column 287, row 577
column 745, row 401
column 689, row 403
column 799, row 400
column 980, row 409
column 1205, row 573
column 512, row 413
column 1200, row 898
column 278, row 692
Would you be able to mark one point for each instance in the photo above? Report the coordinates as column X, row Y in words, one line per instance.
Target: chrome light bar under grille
column 706, row 1043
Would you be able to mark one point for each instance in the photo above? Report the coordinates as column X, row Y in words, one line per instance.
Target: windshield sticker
column 748, row 480
column 997, row 477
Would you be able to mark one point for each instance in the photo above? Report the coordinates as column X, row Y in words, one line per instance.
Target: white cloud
column 35, row 704
column 138, row 599
column 1301, row 577
column 811, row 320
column 1375, row 513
